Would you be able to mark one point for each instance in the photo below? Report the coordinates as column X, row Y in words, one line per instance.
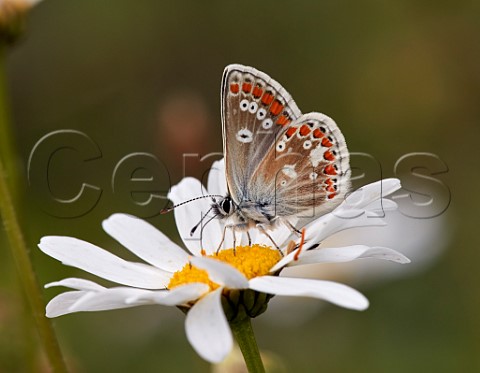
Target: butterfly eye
column 226, row 205
column 253, row 107
column 267, row 124
column 261, row 113
column 281, row 146
column 244, row 105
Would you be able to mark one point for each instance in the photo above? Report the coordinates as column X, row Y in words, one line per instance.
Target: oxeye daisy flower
column 217, row 284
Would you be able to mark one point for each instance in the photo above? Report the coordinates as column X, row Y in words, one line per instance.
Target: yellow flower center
column 252, row 261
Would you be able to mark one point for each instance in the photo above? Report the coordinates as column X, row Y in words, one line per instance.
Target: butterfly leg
column 234, row 238
column 240, row 228
column 263, row 230
column 292, row 227
column 223, row 239
column 227, row 226
column 249, row 239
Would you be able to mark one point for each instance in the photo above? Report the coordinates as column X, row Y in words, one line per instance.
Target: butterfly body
column 247, row 214
column 280, row 164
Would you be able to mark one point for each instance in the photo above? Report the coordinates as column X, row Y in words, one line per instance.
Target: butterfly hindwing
column 255, row 109
column 308, row 168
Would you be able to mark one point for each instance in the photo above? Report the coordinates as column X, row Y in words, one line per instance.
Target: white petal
column 333, row 292
column 108, row 299
column 360, row 209
column 349, row 253
column 217, row 181
column 367, row 194
column 284, row 261
column 76, row 283
column 146, row 241
column 207, row 328
column 84, row 255
column 60, row 305
column 175, row 297
column 221, row 272
column 339, row 254
column 382, row 205
column 325, row 226
column 329, row 224
column 187, row 216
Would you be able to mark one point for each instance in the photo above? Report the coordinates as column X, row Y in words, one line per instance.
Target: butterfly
column 281, row 165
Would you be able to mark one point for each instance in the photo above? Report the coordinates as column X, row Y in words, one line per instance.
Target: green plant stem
column 7, row 151
column 243, row 332
column 17, row 243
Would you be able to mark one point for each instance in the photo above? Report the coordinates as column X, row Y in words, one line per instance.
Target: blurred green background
column 144, row 76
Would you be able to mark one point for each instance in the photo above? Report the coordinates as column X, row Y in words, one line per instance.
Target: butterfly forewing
column 255, row 109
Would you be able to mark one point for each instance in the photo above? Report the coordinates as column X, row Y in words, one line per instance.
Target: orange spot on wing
column 317, row 133
column 328, row 156
column 267, row 98
column 276, row 108
column 330, row 170
column 246, row 87
column 330, row 196
column 234, row 88
column 291, row 131
column 304, row 130
column 326, row 142
column 283, row 120
column 331, row 189
column 329, row 182
column 257, row 92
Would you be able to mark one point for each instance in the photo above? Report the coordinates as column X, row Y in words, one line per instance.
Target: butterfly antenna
column 201, row 221
column 167, row 210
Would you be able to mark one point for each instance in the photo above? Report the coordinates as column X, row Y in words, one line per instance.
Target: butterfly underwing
column 281, row 165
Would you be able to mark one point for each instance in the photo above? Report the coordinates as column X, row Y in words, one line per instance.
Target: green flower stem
column 17, row 243
column 243, row 332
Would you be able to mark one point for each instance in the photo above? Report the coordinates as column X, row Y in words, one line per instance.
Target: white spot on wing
column 267, row 124
column 245, row 135
column 253, row 107
column 316, row 155
column 244, row 105
column 289, row 170
column 261, row 113
column 307, row 144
